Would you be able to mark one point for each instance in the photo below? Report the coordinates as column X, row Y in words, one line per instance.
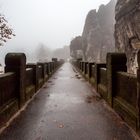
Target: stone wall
column 114, row 84
column 127, row 30
column 76, row 47
column 20, row 82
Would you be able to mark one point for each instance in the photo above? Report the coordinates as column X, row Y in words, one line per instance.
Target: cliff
column 127, row 30
column 99, row 32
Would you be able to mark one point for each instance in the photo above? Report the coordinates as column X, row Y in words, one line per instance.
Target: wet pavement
column 68, row 108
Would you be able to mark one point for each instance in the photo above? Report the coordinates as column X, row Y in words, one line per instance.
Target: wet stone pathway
column 67, row 108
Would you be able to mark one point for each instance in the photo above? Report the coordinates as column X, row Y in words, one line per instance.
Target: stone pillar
column 46, row 71
column 35, row 71
column 90, row 69
column 138, row 90
column 115, row 62
column 97, row 67
column 127, row 30
column 43, row 69
column 50, row 68
column 82, row 67
column 78, row 62
column 16, row 62
column 85, row 67
column 47, row 68
column 54, row 59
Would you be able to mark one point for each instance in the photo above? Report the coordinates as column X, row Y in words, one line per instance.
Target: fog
column 50, row 22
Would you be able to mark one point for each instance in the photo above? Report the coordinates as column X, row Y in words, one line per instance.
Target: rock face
column 127, row 30
column 99, row 32
column 98, row 35
column 76, row 49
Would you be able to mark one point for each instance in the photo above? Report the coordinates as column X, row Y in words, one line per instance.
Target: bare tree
column 6, row 31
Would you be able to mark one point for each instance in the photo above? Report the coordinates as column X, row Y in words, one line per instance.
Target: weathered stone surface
column 127, row 31
column 76, row 47
column 16, row 62
column 69, row 109
column 98, row 35
column 35, row 74
column 115, row 62
column 98, row 31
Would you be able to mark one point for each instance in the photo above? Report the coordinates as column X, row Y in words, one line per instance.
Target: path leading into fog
column 67, row 108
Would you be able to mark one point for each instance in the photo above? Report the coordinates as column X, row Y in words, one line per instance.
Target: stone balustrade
column 21, row 81
column 121, row 90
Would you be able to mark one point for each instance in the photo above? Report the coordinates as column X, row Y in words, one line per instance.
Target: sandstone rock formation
column 99, row 32
column 127, row 30
column 76, row 47
column 98, row 35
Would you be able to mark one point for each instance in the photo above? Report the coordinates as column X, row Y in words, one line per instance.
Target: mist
column 52, row 23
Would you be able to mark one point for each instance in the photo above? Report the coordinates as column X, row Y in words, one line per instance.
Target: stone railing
column 20, row 82
column 120, row 89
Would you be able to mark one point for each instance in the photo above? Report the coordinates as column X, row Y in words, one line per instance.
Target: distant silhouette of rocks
column 76, row 50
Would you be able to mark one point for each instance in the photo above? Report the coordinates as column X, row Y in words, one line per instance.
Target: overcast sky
column 52, row 22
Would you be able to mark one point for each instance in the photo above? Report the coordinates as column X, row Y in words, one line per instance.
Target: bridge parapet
column 16, row 62
column 120, row 89
column 20, row 82
column 115, row 62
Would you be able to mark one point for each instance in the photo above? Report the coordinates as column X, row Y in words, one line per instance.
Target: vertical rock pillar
column 16, row 62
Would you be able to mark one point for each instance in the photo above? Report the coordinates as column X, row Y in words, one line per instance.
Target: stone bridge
column 69, row 101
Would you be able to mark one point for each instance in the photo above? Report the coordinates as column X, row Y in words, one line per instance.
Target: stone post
column 53, row 66
column 50, row 68
column 97, row 67
column 16, row 62
column 54, row 59
column 44, row 69
column 90, row 69
column 35, row 71
column 78, row 62
column 81, row 66
column 47, row 68
column 138, row 90
column 85, row 67
column 115, row 62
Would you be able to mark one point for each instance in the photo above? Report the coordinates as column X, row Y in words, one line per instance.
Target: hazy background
column 51, row 23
